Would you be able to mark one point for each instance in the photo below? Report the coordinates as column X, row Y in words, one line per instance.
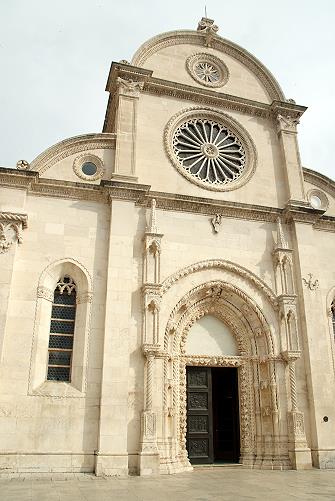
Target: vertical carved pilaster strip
column 293, row 386
column 150, row 363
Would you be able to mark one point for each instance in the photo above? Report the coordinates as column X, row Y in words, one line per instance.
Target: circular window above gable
column 207, row 70
column 88, row 167
column 318, row 199
column 210, row 149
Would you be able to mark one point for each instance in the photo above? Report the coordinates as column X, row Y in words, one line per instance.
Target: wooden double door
column 212, row 415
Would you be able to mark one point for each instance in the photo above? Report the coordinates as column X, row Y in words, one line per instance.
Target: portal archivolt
column 258, row 368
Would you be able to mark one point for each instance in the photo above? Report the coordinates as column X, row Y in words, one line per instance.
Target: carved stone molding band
column 11, row 226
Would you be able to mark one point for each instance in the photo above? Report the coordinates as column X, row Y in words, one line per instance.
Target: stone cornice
column 70, row 146
column 107, row 191
column 326, row 223
column 194, row 94
column 120, row 190
column 30, row 181
column 68, row 189
column 209, row 206
column 207, row 97
column 301, row 212
column 17, row 178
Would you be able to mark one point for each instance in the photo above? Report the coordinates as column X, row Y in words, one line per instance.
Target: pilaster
column 11, row 235
column 125, row 83
column 287, row 116
column 112, row 454
column 149, row 456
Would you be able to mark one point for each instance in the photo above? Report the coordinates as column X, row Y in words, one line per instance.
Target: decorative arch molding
column 260, row 367
column 225, row 265
column 37, row 384
column 71, row 146
column 197, row 38
column 70, row 266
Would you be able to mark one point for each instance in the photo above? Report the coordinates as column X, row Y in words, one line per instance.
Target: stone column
column 112, row 454
column 299, row 452
column 149, row 457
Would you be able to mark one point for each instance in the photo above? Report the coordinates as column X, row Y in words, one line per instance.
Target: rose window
column 207, row 72
column 207, row 69
column 209, row 151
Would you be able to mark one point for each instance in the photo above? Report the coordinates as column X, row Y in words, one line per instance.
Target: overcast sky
column 55, row 57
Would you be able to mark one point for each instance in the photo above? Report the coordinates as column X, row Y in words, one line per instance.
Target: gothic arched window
column 63, row 315
column 333, row 314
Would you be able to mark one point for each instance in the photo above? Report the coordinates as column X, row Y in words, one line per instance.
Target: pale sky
column 55, row 58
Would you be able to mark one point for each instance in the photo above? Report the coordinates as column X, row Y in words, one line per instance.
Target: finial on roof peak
column 207, row 25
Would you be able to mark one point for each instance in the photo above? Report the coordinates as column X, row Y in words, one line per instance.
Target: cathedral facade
column 167, row 285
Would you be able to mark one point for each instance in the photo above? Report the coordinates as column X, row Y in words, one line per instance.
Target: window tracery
column 209, row 151
column 62, row 326
column 207, row 69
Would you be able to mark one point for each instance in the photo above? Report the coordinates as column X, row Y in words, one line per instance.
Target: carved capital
column 291, row 355
column 150, row 350
column 287, row 123
column 11, row 226
column 85, row 297
column 45, row 293
column 129, row 88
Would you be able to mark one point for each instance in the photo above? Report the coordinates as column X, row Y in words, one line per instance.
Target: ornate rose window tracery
column 207, row 69
column 210, row 149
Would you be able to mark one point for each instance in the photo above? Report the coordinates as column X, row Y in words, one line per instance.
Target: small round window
column 89, row 168
column 207, row 69
column 318, row 199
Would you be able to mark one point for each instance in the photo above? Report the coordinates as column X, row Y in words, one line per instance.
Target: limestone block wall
column 266, row 186
column 52, row 428
column 315, row 253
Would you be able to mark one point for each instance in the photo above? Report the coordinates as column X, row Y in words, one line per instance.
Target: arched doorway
column 212, row 410
column 257, row 367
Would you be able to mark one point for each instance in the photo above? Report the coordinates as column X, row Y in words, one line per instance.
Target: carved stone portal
column 259, row 370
